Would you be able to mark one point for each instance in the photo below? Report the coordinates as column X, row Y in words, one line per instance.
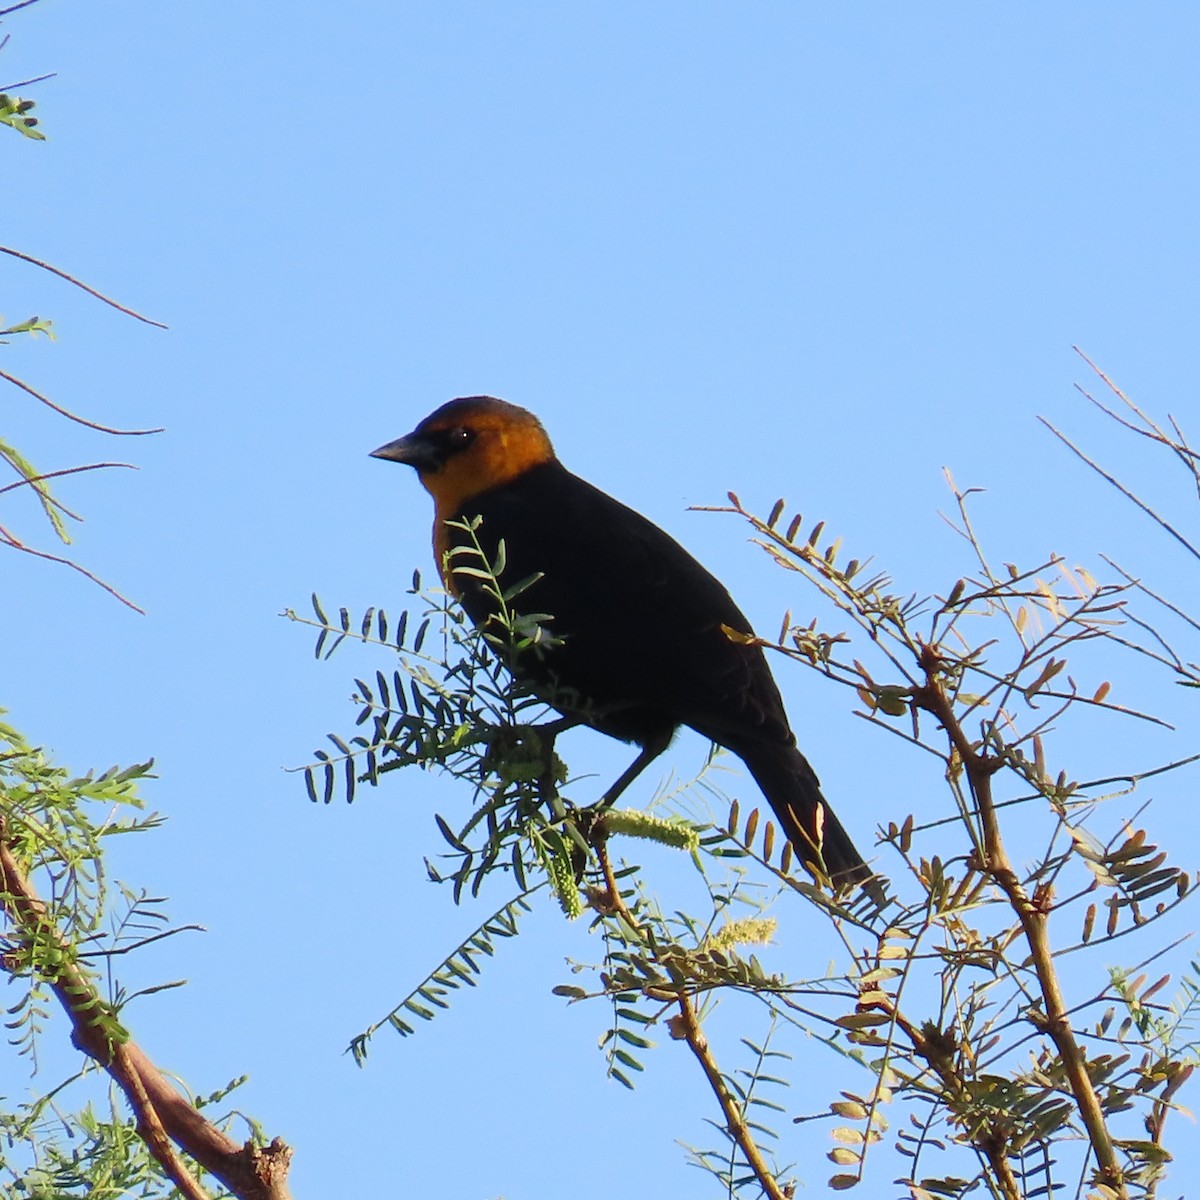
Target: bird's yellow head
column 469, row 446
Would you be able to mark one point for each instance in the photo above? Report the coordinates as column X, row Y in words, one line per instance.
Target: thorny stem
column 687, row 1023
column 1033, row 917
column 250, row 1172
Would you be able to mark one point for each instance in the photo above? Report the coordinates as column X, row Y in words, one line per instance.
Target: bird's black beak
column 413, row 449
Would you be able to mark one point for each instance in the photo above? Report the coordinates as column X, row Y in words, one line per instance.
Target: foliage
column 14, row 113
column 997, row 1047
column 64, row 926
column 94, row 1151
column 56, row 825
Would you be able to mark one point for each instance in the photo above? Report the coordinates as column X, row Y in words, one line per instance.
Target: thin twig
column 1161, row 522
column 13, row 7
column 12, row 87
column 1141, row 587
column 688, row 1024
column 1178, row 446
column 146, row 941
column 10, row 539
column 91, row 291
column 66, row 412
column 36, row 479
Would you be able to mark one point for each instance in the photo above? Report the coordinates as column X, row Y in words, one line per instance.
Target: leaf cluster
column 979, row 928
column 49, row 1152
column 73, row 1138
column 14, row 112
column 56, row 825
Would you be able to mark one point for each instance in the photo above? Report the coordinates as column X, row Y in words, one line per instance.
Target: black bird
column 638, row 647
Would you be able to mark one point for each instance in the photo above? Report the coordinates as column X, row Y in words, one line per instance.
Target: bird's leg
column 650, row 751
column 552, row 729
column 546, row 783
column 589, row 821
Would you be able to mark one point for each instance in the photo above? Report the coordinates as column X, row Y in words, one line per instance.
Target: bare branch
column 12, row 87
column 45, row 266
column 66, row 412
column 7, row 538
column 12, row 8
column 1108, row 477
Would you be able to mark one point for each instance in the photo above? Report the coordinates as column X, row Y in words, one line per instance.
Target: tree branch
column 37, row 262
column 250, row 1172
column 1033, row 916
column 686, row 1027
column 687, row 1024
column 8, row 538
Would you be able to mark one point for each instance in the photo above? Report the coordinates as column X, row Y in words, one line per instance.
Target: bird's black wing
column 642, row 640
column 640, row 618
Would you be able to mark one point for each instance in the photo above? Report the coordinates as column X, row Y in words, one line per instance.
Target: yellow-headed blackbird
column 637, row 622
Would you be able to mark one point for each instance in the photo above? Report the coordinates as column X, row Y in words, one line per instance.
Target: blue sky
column 819, row 251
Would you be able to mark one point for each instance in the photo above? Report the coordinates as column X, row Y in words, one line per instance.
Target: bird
column 639, row 631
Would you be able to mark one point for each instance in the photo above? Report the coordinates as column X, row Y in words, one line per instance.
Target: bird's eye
column 461, row 436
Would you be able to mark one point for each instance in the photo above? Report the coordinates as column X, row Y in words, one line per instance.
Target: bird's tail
column 793, row 791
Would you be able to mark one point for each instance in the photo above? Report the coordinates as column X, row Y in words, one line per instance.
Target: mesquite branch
column 165, row 1117
column 686, row 1026
column 979, row 768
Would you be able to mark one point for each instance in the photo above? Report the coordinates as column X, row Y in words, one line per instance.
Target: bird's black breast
column 640, row 619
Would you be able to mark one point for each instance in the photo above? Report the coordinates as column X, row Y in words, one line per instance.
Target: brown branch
column 151, row 1130
column 66, row 412
column 250, row 1172
column 1034, row 918
column 613, row 900
column 1112, row 479
column 37, row 262
column 992, row 1146
column 688, row 1026
column 8, row 538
